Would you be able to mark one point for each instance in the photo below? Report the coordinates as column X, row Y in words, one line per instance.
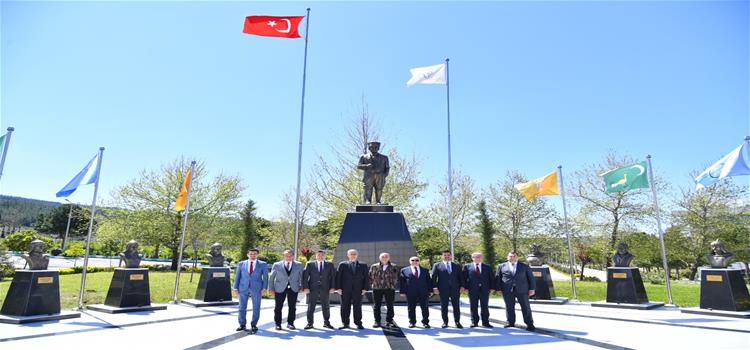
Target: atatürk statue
column 130, row 256
column 623, row 257
column 718, row 257
column 376, row 170
column 215, row 257
column 536, row 257
column 35, row 258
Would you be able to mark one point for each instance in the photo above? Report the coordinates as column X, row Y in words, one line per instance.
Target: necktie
column 513, row 269
column 477, row 272
column 320, row 267
column 448, row 266
column 416, row 272
column 287, row 267
column 353, row 266
column 251, row 267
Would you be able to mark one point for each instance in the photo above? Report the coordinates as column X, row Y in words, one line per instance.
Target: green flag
column 2, row 144
column 626, row 178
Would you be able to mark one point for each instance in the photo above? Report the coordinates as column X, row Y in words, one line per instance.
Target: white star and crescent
column 272, row 24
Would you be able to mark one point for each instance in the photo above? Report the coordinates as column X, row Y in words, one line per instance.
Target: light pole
column 67, row 229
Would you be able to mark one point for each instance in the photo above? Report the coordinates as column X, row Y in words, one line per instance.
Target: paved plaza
column 570, row 326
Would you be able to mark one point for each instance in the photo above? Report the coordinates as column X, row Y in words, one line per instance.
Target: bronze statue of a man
column 215, row 257
column 130, row 256
column 376, row 167
column 623, row 257
column 719, row 257
column 536, row 257
column 35, row 258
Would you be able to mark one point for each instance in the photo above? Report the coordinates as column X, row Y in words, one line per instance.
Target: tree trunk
column 175, row 252
column 580, row 278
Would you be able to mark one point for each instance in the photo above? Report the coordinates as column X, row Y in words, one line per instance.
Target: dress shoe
column 309, row 326
column 240, row 328
column 291, row 326
column 346, row 326
column 390, row 325
column 445, row 325
column 509, row 325
column 360, row 326
column 486, row 325
column 530, row 328
column 474, row 325
column 327, row 325
column 278, row 327
column 412, row 325
column 458, row 325
column 376, row 325
column 253, row 330
column 426, row 325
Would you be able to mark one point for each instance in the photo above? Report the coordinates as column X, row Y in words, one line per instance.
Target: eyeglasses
column 414, row 260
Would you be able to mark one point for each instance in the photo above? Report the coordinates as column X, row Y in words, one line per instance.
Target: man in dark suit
column 479, row 280
column 317, row 283
column 446, row 282
column 351, row 283
column 416, row 284
column 516, row 282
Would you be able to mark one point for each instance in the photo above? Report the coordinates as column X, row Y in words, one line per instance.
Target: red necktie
column 251, row 267
column 477, row 272
column 416, row 272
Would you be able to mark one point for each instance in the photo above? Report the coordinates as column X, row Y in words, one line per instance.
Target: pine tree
column 488, row 234
column 250, row 234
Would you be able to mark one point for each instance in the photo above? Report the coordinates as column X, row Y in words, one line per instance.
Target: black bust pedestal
column 34, row 295
column 371, row 231
column 723, row 293
column 545, row 289
column 128, row 291
column 214, row 288
column 625, row 290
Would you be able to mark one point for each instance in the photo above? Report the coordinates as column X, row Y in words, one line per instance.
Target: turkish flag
column 279, row 26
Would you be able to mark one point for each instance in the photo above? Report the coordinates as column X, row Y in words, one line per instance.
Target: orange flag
column 181, row 202
column 543, row 186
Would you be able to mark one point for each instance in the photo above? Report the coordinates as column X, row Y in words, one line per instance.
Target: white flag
column 731, row 164
column 427, row 75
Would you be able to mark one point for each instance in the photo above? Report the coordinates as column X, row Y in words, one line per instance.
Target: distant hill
column 19, row 212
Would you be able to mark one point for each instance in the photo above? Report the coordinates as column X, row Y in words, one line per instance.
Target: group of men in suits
column 351, row 279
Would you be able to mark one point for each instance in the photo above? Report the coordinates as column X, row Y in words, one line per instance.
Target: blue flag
column 87, row 176
column 732, row 164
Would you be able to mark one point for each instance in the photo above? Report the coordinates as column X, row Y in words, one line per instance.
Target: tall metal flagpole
column 299, row 150
column 450, row 168
column 571, row 257
column 5, row 149
column 658, row 227
column 182, row 239
column 91, row 228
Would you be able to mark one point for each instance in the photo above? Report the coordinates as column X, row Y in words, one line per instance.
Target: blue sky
column 533, row 85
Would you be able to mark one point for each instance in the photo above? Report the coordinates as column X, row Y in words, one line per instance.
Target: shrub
column 75, row 249
column 20, row 241
column 6, row 266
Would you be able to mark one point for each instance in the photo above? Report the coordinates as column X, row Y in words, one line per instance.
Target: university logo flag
column 2, row 143
column 86, row 176
column 181, row 202
column 278, row 26
column 427, row 75
column 626, row 178
column 543, row 186
column 732, row 164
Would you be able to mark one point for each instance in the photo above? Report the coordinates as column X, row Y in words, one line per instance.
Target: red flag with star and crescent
column 278, row 26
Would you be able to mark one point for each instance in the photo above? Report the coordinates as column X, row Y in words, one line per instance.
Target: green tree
column 55, row 221
column 20, row 241
column 6, row 266
column 250, row 232
column 430, row 242
column 487, row 231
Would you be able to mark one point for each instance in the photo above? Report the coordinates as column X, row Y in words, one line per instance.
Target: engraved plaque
column 537, row 274
column 45, row 280
column 136, row 277
column 621, row 275
column 714, row 278
column 219, row 274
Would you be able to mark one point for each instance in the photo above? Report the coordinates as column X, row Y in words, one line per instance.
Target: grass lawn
column 683, row 294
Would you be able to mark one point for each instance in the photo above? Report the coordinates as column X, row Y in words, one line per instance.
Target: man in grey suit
column 317, row 283
column 250, row 281
column 516, row 282
column 285, row 283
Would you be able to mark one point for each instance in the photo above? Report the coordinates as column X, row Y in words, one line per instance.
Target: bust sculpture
column 536, row 257
column 215, row 257
column 623, row 257
column 376, row 167
column 35, row 258
column 130, row 256
column 719, row 257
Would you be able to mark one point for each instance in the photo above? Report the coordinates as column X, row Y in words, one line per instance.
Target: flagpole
column 658, row 227
column 182, row 239
column 91, row 228
column 299, row 150
column 571, row 257
column 450, row 168
column 5, row 149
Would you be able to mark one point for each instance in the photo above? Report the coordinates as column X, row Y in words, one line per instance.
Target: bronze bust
column 130, row 256
column 623, row 257
column 215, row 257
column 35, row 258
column 536, row 257
column 719, row 257
column 376, row 168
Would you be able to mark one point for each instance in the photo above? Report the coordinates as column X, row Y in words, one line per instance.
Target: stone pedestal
column 625, row 290
column 372, row 232
column 129, row 291
column 545, row 289
column 724, row 289
column 33, row 296
column 214, row 288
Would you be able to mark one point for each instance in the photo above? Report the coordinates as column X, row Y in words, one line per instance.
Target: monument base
column 38, row 318
column 640, row 306
column 33, row 292
column 214, row 285
column 545, row 289
column 625, row 286
column 119, row 310
column 372, row 233
column 129, row 288
column 553, row 301
column 201, row 303
column 374, row 208
column 724, row 289
column 721, row 313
